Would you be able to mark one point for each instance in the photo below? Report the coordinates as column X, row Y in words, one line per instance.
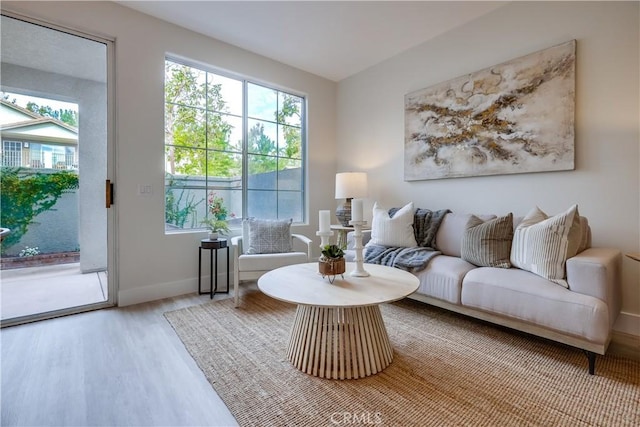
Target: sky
column 22, row 101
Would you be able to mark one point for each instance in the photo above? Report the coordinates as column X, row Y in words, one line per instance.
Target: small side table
column 213, row 246
column 342, row 234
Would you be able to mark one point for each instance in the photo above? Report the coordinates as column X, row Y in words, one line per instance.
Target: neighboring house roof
column 20, row 123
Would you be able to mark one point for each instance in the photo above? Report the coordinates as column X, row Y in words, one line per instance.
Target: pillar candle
column 356, row 209
column 324, row 221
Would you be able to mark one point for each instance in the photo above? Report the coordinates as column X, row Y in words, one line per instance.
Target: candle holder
column 324, row 237
column 357, row 234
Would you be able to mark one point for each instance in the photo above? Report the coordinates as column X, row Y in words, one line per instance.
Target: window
column 11, row 153
column 232, row 139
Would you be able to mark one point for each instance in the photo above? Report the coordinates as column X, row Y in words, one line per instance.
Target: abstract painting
column 516, row 117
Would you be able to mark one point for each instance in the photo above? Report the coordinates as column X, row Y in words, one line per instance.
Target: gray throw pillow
column 488, row 244
column 269, row 236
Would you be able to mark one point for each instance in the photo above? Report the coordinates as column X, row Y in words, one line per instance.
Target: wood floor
column 115, row 367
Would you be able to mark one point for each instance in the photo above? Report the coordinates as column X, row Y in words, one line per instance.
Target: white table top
column 303, row 284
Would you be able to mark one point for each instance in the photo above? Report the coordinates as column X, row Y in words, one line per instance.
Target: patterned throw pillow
column 488, row 244
column 542, row 245
column 269, row 236
column 394, row 232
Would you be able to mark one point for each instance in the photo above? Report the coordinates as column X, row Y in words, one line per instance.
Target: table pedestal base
column 339, row 342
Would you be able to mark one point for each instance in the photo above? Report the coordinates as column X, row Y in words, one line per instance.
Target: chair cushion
column 268, row 236
column 261, row 262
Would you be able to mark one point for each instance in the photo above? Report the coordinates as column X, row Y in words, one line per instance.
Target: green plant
column 177, row 211
column 25, row 194
column 217, row 225
column 217, row 220
column 332, row 252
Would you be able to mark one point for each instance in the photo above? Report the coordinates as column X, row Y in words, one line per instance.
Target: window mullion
column 245, row 150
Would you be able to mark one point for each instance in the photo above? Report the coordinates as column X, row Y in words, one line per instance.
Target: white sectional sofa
column 581, row 315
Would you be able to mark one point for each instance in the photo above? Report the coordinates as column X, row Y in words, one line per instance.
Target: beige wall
column 150, row 264
column 605, row 183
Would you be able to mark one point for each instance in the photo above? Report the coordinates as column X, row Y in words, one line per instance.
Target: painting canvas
column 515, row 117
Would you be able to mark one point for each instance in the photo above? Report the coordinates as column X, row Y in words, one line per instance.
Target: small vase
column 213, row 235
column 331, row 267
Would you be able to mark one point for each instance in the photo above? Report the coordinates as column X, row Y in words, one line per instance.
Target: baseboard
column 625, row 345
column 167, row 290
column 628, row 323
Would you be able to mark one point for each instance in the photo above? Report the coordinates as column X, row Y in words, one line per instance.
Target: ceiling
column 332, row 39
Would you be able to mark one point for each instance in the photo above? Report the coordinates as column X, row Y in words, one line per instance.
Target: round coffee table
column 338, row 331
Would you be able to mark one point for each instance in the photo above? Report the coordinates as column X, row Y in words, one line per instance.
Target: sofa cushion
column 542, row 244
column 528, row 297
column 488, row 243
column 442, row 278
column 269, row 236
column 396, row 231
column 452, row 228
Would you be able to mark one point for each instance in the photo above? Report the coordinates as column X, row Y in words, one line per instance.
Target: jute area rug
column 448, row 370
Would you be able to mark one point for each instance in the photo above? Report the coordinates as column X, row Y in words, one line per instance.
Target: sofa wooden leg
column 592, row 361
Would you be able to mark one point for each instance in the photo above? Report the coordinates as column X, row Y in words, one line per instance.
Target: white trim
column 628, row 323
column 169, row 289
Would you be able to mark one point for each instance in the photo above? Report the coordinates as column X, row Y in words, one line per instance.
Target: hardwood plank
column 119, row 366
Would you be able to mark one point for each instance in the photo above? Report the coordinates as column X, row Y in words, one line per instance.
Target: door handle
column 109, row 193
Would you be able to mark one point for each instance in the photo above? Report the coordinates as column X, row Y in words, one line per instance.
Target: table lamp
column 349, row 185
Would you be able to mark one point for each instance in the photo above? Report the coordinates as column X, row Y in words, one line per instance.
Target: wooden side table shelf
column 213, row 246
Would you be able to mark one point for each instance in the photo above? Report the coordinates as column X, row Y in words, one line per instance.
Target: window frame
column 244, row 153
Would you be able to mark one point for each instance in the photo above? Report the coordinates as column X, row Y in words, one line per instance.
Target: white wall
column 605, row 183
column 151, row 264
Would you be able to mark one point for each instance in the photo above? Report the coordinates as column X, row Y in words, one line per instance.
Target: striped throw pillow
column 542, row 244
column 488, row 244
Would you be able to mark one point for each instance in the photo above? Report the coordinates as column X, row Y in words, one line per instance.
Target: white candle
column 324, row 221
column 356, row 209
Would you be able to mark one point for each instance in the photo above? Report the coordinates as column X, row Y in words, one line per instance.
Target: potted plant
column 217, row 220
column 332, row 262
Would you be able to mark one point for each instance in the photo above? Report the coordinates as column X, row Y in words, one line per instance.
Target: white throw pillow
column 396, row 231
column 542, row 245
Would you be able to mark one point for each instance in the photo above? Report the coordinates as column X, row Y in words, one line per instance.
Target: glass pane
column 289, row 109
column 184, row 126
column 184, row 161
column 289, row 142
column 289, row 174
column 262, row 137
column 184, row 85
column 290, row 205
column 184, row 203
column 262, row 172
column 261, row 102
column 224, row 132
column 225, row 94
column 262, row 204
column 224, row 164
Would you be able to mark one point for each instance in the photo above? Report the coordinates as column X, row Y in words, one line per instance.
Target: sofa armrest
column 307, row 241
column 597, row 272
column 351, row 243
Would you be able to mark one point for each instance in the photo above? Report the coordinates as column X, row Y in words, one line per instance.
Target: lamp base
column 343, row 213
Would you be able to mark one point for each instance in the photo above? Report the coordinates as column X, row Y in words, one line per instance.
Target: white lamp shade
column 351, row 185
